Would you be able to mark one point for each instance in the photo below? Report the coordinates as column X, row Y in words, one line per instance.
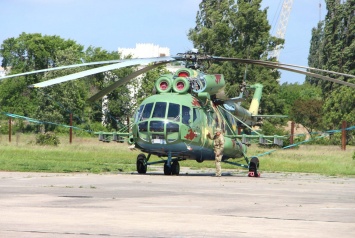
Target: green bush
column 48, row 138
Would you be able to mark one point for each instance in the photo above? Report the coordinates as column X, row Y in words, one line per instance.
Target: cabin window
column 159, row 110
column 185, row 115
column 174, row 112
column 209, row 118
column 194, row 111
column 147, row 111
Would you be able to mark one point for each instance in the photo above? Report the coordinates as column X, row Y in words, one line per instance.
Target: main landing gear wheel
column 175, row 168
column 167, row 168
column 141, row 164
column 253, row 167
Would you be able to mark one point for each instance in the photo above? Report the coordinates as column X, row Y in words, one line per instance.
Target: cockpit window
column 159, row 110
column 156, row 126
column 147, row 111
column 174, row 112
column 185, row 115
column 138, row 114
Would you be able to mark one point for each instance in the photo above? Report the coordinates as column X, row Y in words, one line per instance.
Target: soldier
column 218, row 146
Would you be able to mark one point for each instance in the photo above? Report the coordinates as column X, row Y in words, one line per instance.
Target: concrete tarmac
column 193, row 204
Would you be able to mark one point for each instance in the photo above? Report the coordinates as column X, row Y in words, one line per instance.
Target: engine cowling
column 164, row 84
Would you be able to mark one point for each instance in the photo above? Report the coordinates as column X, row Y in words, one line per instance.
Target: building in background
column 144, row 50
column 2, row 72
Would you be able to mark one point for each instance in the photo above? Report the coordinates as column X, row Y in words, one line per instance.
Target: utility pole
column 71, row 128
column 10, row 131
column 343, row 136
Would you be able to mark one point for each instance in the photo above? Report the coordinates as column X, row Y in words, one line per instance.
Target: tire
column 253, row 167
column 175, row 168
column 167, row 169
column 141, row 164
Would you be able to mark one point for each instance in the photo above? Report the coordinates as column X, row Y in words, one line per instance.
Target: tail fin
column 255, row 103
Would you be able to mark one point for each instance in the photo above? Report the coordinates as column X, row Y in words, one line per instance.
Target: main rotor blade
column 250, row 61
column 270, row 64
column 63, row 67
column 82, row 74
column 122, row 81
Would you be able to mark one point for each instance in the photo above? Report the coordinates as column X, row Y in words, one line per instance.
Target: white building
column 2, row 72
column 142, row 50
column 145, row 50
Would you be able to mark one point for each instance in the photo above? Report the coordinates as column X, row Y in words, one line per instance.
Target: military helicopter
column 188, row 104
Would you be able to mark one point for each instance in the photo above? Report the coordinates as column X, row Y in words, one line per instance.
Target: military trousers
column 218, row 158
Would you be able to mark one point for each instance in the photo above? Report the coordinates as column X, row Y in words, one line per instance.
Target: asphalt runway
column 193, row 204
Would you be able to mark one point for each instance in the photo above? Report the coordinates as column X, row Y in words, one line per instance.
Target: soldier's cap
column 218, row 130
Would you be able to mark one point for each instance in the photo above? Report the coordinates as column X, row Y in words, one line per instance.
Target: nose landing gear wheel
column 141, row 164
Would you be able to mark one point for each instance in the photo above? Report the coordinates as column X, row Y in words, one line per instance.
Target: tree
column 290, row 93
column 116, row 102
column 336, row 52
column 316, row 57
column 30, row 52
column 57, row 102
column 308, row 112
column 238, row 29
column 148, row 81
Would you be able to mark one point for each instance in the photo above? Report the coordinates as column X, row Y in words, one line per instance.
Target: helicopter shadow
column 196, row 174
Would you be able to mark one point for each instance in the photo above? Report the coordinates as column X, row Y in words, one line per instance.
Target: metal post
column 10, row 132
column 343, row 136
column 71, row 129
column 292, row 132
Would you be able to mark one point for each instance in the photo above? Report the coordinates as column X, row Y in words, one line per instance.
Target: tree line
column 225, row 28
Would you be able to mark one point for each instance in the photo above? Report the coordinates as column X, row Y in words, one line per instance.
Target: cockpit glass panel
column 159, row 110
column 172, row 127
column 185, row 115
column 156, row 126
column 174, row 112
column 146, row 111
column 143, row 126
column 138, row 114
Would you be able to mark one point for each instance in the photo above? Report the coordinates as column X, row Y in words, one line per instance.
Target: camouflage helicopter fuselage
column 176, row 120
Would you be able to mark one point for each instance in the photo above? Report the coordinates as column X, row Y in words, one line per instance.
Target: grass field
column 92, row 156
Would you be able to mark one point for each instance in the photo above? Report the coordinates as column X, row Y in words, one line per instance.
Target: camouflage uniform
column 218, row 146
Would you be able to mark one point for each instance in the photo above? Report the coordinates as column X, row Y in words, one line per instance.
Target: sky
column 113, row 24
